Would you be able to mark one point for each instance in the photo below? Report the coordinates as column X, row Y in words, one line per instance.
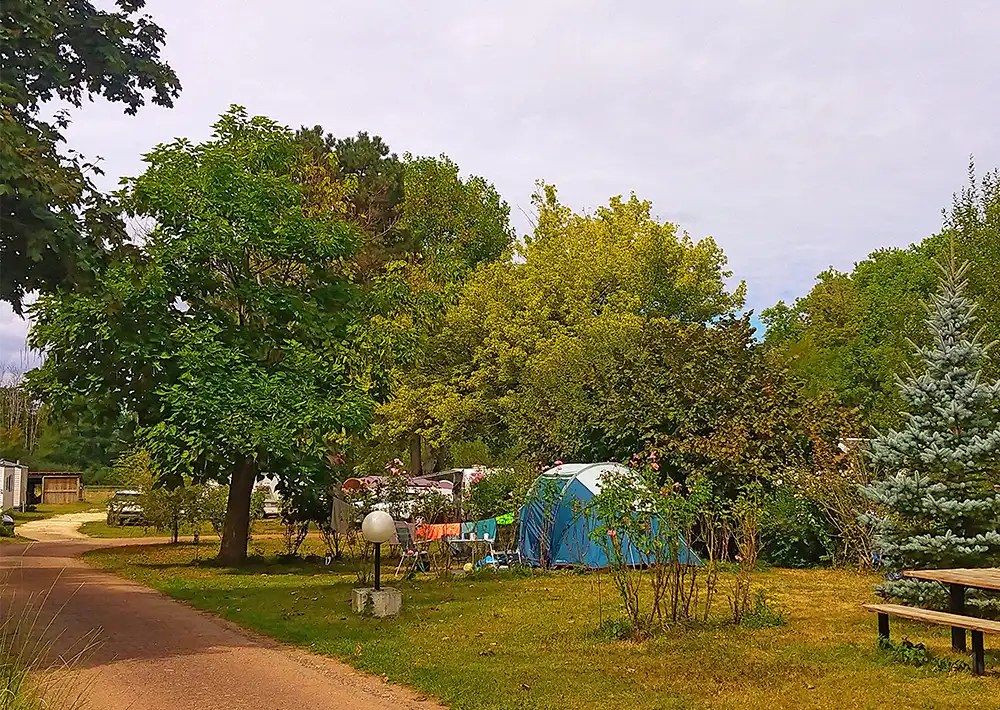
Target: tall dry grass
column 38, row 666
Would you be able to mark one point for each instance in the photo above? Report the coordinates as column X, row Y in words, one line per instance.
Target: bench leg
column 978, row 654
column 883, row 626
column 956, row 605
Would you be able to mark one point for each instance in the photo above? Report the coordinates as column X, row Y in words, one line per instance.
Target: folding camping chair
column 509, row 554
column 461, row 550
column 410, row 553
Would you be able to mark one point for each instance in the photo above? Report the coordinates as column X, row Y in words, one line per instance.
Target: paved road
column 153, row 653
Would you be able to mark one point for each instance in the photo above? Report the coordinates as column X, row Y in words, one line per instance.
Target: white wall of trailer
column 13, row 485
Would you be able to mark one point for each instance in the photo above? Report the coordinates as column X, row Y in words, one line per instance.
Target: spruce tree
column 940, row 503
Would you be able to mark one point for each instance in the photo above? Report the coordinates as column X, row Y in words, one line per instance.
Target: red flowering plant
column 499, row 491
column 391, row 493
column 646, row 521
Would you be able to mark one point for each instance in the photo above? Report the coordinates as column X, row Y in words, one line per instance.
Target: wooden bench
column 978, row 627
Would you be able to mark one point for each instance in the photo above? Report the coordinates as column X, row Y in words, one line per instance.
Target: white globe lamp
column 378, row 527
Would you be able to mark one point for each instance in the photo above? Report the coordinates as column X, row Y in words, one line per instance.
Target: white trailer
column 13, row 485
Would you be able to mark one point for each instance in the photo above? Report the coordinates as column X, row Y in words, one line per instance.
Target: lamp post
column 378, row 527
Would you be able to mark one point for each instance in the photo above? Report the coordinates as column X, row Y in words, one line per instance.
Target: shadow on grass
column 255, row 565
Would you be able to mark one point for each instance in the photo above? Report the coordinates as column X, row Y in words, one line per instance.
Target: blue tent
column 573, row 485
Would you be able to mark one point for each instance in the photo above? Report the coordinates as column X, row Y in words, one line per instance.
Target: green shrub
column 792, row 532
column 499, row 492
column 916, row 654
column 763, row 613
column 616, row 630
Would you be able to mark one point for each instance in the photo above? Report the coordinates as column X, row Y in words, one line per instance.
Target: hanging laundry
column 436, row 532
column 486, row 529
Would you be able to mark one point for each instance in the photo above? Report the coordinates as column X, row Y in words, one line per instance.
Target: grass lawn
column 100, row 528
column 533, row 643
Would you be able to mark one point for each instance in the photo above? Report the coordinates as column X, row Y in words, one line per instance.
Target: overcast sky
column 799, row 134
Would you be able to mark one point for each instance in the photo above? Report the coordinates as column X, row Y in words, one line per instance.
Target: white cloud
column 799, row 135
column 13, row 331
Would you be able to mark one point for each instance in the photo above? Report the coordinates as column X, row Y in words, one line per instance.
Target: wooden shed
column 54, row 487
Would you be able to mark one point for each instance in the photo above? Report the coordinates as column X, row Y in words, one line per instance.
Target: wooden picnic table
column 958, row 580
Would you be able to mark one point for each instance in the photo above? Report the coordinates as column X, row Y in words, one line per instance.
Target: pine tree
column 941, row 506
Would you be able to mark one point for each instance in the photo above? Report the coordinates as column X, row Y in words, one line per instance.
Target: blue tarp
column 570, row 526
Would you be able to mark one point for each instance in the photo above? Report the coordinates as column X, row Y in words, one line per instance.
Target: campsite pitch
column 535, row 642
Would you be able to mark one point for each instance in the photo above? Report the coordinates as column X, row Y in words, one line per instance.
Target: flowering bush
column 835, row 486
column 434, row 508
column 391, row 493
column 650, row 525
column 499, row 493
column 645, row 523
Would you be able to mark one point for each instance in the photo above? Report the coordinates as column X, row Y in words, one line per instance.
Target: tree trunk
column 416, row 456
column 236, row 531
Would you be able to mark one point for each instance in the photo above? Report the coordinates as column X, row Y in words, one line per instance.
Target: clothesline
column 483, row 529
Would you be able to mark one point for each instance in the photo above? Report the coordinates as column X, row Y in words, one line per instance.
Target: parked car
column 124, row 508
column 272, row 501
column 272, row 507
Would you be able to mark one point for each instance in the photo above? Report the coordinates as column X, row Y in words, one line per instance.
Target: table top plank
column 936, row 617
column 979, row 578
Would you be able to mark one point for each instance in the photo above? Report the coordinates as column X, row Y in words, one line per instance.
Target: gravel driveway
column 59, row 527
column 157, row 654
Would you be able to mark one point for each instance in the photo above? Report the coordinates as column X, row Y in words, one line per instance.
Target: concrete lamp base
column 386, row 601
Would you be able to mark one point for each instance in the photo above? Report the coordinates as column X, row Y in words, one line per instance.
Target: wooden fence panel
column 60, row 489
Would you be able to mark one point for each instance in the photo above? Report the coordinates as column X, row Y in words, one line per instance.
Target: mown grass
column 533, row 643
column 101, row 529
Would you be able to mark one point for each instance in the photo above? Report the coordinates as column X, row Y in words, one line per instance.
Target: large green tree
column 424, row 228
column 611, row 333
column 850, row 335
column 54, row 224
column 845, row 338
column 376, row 204
column 226, row 331
column 973, row 225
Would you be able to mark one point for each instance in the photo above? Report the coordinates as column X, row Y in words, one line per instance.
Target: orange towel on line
column 436, row 532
